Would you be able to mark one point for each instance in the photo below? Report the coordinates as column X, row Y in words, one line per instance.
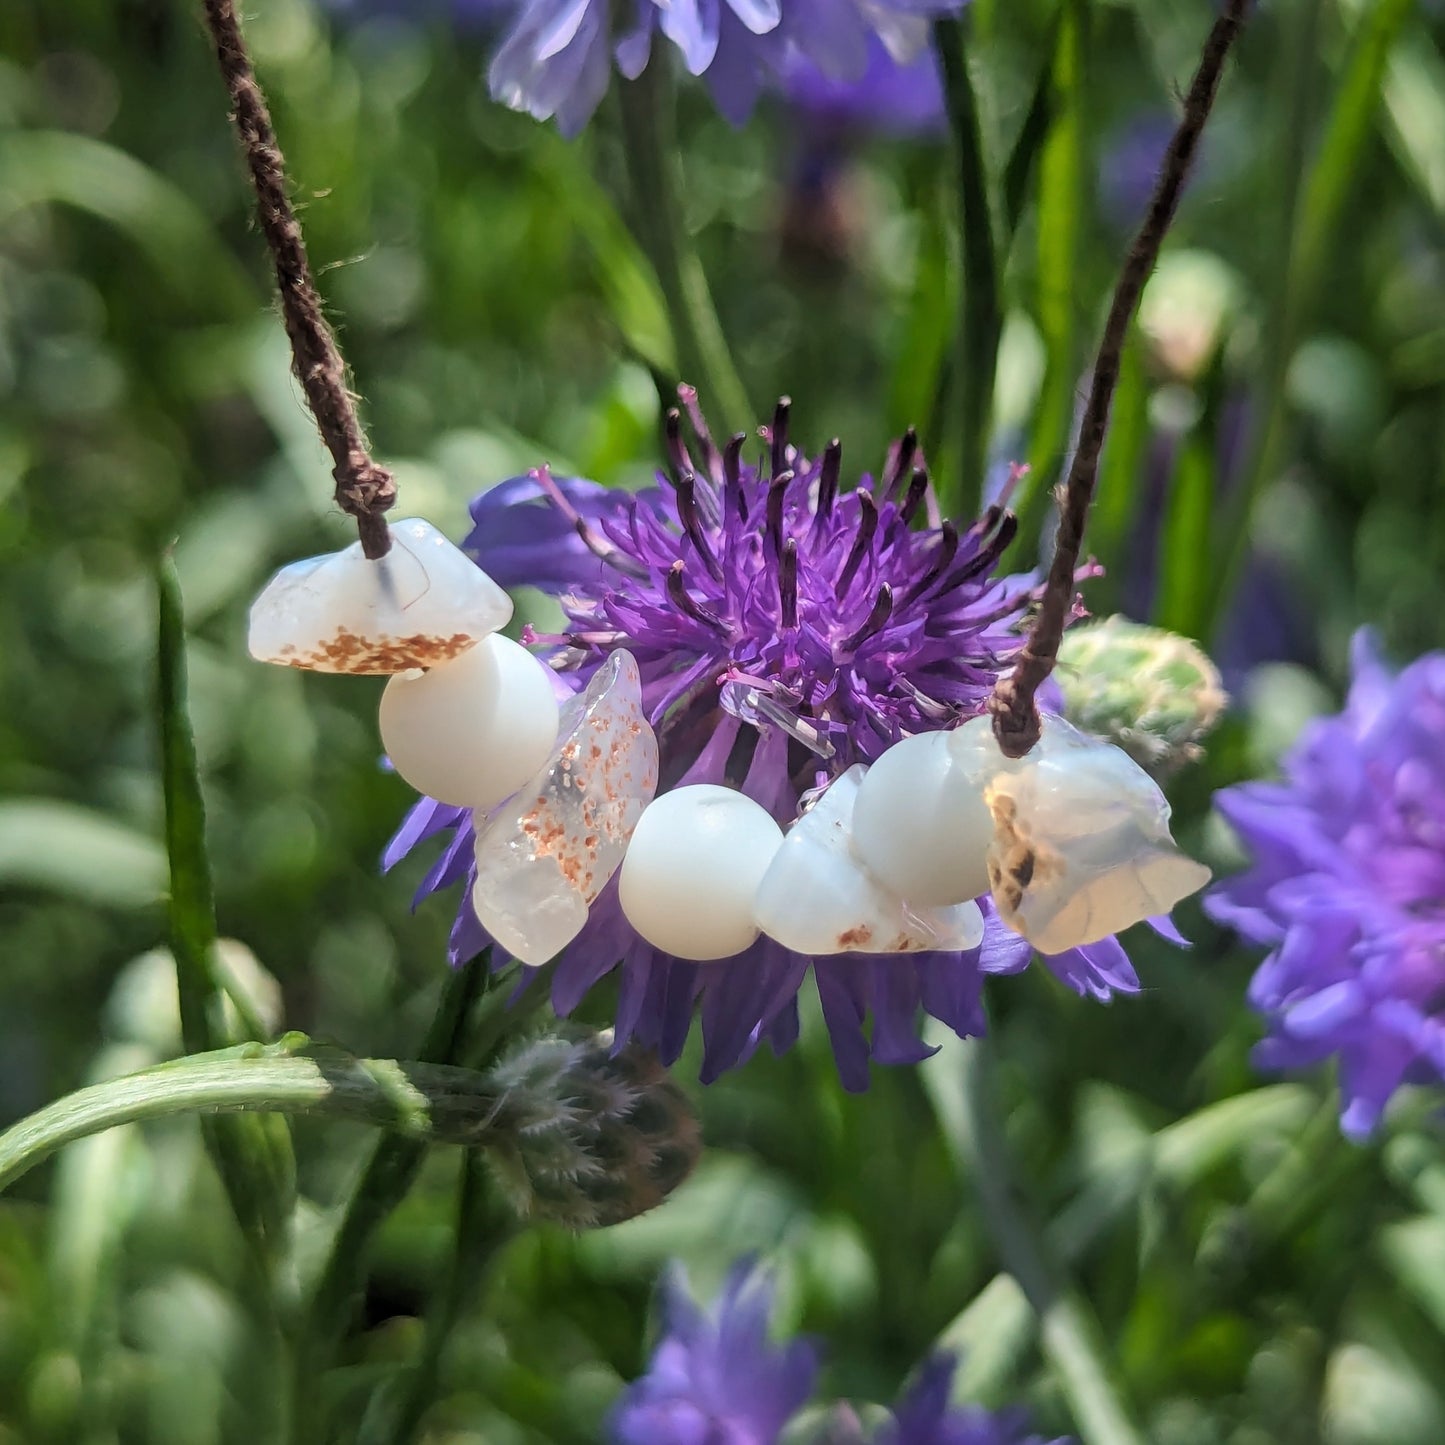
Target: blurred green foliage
column 1256, row 1279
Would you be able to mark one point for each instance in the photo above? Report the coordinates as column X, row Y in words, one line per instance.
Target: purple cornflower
column 784, row 629
column 716, row 1378
column 1347, row 889
column 558, row 56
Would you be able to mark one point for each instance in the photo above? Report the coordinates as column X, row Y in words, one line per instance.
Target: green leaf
column 1414, row 92
column 1121, row 467
column 1414, row 1252
column 1188, row 565
column 1310, row 227
column 980, row 318
column 1023, row 158
column 1352, row 117
column 1062, row 164
column 40, row 168
column 253, row 1155
column 77, row 851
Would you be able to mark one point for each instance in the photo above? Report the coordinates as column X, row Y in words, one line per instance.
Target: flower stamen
column 899, row 462
column 687, row 514
column 687, row 604
column 917, row 490
column 777, row 436
column 867, row 526
column 788, row 583
column 777, row 493
column 828, row 472
column 734, row 499
column 876, row 621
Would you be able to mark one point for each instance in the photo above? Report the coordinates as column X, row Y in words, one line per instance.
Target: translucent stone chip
column 818, row 899
column 1081, row 845
column 546, row 853
column 423, row 603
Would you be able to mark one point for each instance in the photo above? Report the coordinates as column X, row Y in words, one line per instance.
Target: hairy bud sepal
column 585, row 1136
column 1152, row 693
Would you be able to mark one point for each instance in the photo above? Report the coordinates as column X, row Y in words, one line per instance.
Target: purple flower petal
column 1347, row 889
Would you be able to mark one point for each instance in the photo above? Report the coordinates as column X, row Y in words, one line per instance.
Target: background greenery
column 1274, row 479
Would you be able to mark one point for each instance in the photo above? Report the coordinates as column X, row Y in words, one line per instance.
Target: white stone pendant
column 422, row 604
column 919, row 824
column 1081, row 846
column 818, row 899
column 546, row 853
column 471, row 731
column 692, row 871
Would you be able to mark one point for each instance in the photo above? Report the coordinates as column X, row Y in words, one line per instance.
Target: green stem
column 649, row 137
column 1071, row 1337
column 429, row 1103
column 382, row 1185
column 980, row 319
column 483, row 1229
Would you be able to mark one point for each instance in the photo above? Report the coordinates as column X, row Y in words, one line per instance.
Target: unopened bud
column 1150, row 692
column 586, row 1137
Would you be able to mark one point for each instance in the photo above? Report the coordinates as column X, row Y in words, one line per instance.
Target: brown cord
column 363, row 489
column 1015, row 714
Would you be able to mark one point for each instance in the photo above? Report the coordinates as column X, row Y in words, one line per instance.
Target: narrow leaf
column 252, row 1155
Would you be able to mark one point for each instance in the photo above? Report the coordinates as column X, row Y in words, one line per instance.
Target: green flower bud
column 585, row 1137
column 1150, row 692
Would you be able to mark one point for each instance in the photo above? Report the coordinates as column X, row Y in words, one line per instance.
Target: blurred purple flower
column 558, row 57
column 1129, row 163
column 466, row 15
column 716, row 1378
column 1347, row 889
column 784, row 629
column 923, row 1415
column 1265, row 619
column 904, row 97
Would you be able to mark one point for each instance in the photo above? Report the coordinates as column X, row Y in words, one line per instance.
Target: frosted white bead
column 548, row 851
column 692, row 871
column 816, row 897
column 423, row 603
column 1081, row 843
column 471, row 731
column 920, row 825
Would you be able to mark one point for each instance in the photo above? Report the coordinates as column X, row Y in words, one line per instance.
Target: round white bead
column 473, row 730
column 920, row 824
column 422, row 604
column 692, row 871
column 818, row 899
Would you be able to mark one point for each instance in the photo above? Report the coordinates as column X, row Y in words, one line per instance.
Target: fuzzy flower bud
column 1150, row 692
column 586, row 1137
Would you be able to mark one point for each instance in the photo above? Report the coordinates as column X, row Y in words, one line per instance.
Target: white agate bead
column 1081, row 845
column 817, row 898
column 548, row 851
column 471, row 731
column 422, row 604
column 692, row 871
column 920, row 825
